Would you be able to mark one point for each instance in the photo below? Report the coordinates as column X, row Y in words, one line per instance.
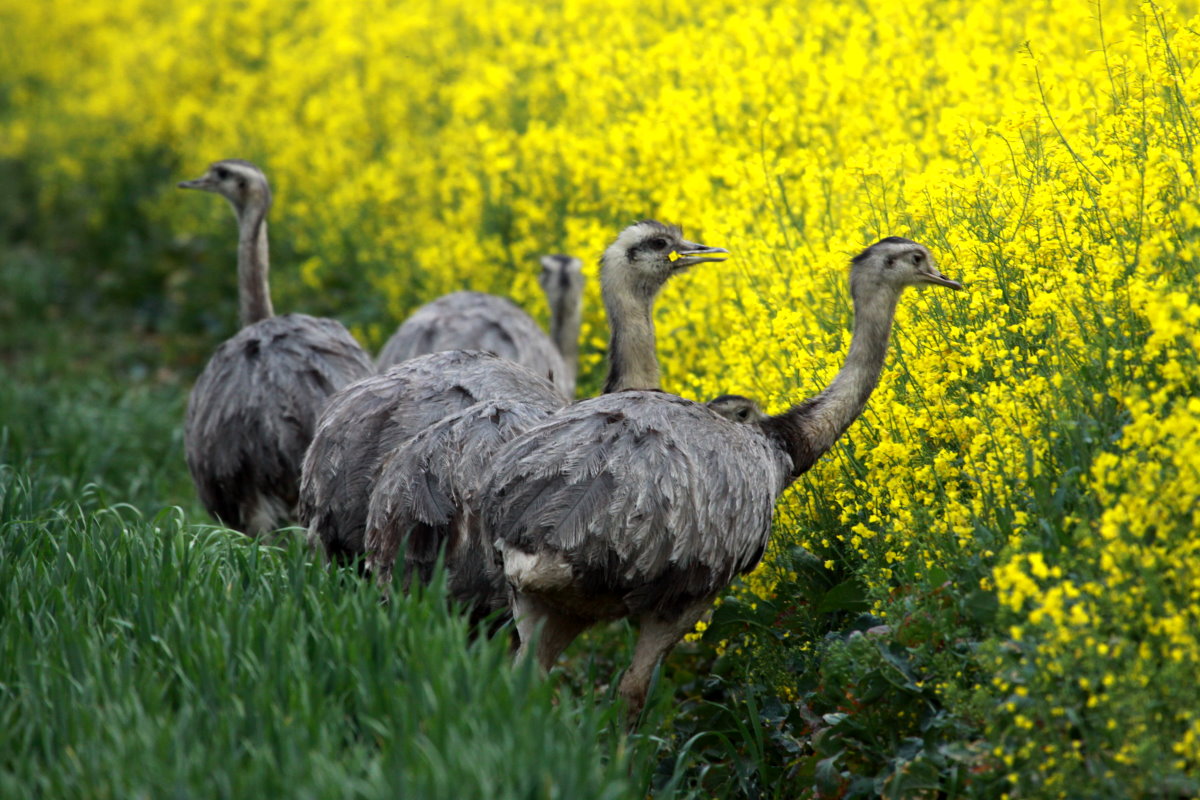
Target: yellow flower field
column 1035, row 439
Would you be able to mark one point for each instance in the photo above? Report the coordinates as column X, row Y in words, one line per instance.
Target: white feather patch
column 534, row 572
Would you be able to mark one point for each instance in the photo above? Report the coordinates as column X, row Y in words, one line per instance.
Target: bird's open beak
column 689, row 253
column 931, row 275
column 203, row 182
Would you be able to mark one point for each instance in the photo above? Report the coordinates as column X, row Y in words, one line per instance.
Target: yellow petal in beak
column 674, row 256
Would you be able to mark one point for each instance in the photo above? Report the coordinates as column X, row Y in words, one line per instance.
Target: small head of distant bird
column 561, row 276
column 893, row 264
column 736, row 408
column 238, row 181
column 648, row 253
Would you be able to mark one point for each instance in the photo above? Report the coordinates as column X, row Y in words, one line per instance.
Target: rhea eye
column 743, row 413
column 918, row 257
column 221, row 173
column 658, row 243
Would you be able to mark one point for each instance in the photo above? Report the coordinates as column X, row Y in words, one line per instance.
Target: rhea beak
column 203, row 182
column 931, row 275
column 691, row 253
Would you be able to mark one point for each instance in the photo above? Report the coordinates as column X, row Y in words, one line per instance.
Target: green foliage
column 144, row 656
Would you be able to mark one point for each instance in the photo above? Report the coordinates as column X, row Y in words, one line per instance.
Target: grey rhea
column 425, row 486
column 476, row 321
column 252, row 411
column 643, row 504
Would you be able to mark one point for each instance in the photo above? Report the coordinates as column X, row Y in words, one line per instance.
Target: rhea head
column 647, row 254
column 894, row 263
column 238, row 181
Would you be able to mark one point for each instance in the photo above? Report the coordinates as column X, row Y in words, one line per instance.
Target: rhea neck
column 632, row 359
column 809, row 429
column 254, row 291
column 566, row 320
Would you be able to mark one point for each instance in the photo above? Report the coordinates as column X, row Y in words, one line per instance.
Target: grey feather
column 424, row 483
column 653, row 501
column 477, row 321
column 253, row 410
column 365, row 423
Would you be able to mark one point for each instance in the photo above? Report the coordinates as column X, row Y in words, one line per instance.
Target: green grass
column 148, row 656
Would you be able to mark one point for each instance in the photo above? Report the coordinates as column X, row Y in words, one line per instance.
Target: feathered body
column 253, row 409
column 366, row 422
column 426, row 493
column 424, row 487
column 585, row 501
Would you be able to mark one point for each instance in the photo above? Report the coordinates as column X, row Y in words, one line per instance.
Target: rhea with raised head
column 646, row 505
column 253, row 409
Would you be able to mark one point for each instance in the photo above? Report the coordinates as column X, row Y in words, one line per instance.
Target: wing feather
column 368, row 421
column 253, row 411
column 645, row 495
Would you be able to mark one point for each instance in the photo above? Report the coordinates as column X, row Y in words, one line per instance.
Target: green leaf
column 846, row 596
column 981, row 606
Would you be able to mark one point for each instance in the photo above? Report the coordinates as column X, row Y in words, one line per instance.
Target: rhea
column 422, row 486
column 646, row 505
column 252, row 412
column 477, row 321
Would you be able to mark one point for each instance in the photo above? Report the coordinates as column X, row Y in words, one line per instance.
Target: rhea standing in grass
column 646, row 505
column 253, row 410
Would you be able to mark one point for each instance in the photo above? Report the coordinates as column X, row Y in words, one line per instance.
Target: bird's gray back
column 253, row 410
column 477, row 321
column 425, row 483
column 652, row 500
column 365, row 422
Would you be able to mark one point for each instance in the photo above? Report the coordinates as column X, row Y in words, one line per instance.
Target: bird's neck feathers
column 254, row 291
column 566, row 320
column 809, row 429
column 632, row 359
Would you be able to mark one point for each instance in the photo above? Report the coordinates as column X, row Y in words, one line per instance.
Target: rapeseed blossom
column 1042, row 428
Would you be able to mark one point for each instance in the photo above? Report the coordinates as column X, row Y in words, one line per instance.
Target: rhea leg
column 558, row 630
column 655, row 640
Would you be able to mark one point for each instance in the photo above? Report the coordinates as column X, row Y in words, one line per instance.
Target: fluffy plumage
column 365, row 423
column 253, row 410
column 422, row 489
column 478, row 321
column 426, row 489
column 653, row 502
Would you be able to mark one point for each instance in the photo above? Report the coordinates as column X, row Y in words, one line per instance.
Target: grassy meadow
column 989, row 588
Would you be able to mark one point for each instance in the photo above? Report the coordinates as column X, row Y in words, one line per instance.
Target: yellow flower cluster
column 1044, row 423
